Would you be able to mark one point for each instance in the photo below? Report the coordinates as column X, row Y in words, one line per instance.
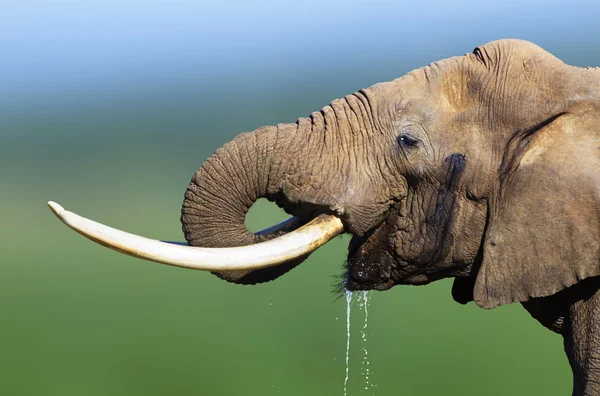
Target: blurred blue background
column 109, row 108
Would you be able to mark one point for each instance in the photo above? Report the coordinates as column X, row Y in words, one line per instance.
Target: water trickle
column 366, row 371
column 363, row 303
column 348, row 302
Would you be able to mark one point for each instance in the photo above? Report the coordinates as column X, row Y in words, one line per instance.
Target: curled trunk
column 224, row 188
column 308, row 168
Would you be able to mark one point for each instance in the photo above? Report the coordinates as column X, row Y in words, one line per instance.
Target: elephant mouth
column 369, row 265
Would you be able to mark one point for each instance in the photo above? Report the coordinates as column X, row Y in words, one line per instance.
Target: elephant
column 481, row 167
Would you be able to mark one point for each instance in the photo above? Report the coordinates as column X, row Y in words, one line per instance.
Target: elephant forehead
column 405, row 87
column 454, row 91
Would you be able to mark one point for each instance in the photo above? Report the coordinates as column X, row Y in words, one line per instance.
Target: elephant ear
column 543, row 230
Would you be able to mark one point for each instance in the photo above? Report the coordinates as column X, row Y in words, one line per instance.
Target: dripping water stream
column 365, row 360
column 365, row 370
column 348, row 302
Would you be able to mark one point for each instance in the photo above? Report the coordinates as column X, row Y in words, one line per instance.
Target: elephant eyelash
column 407, row 140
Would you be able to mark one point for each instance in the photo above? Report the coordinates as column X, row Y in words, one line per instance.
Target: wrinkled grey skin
column 483, row 167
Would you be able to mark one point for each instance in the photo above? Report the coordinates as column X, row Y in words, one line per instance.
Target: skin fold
column 482, row 167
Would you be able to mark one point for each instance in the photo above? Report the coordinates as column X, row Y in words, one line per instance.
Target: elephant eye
column 407, row 140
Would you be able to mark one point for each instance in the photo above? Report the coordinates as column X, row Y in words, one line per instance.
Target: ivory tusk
column 276, row 251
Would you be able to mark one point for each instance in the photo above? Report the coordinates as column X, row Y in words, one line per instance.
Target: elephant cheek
column 409, row 244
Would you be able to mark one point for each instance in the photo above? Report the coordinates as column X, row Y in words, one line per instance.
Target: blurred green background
column 108, row 108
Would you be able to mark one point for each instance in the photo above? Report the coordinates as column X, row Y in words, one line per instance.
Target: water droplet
column 348, row 301
column 365, row 360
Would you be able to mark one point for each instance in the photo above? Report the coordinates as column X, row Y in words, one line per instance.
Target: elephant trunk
column 303, row 167
column 224, row 188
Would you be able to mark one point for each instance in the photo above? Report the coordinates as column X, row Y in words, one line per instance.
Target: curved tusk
column 290, row 246
column 285, row 226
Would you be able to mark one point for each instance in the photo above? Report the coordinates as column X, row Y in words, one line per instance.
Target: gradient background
column 109, row 108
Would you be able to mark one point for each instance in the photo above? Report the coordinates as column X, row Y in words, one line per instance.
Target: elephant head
column 482, row 167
